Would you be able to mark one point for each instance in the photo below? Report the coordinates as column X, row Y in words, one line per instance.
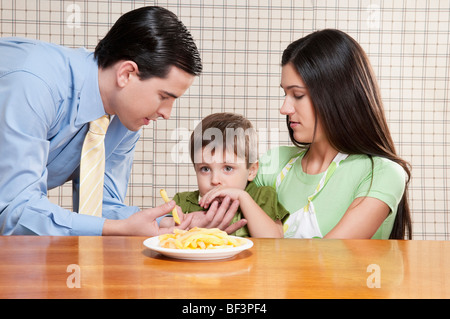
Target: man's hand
column 218, row 216
column 143, row 223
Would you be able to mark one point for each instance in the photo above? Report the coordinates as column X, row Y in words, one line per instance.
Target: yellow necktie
column 92, row 168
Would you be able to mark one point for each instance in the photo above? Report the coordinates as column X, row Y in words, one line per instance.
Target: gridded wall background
column 241, row 44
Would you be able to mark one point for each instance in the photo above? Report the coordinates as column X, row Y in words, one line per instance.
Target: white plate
column 197, row 254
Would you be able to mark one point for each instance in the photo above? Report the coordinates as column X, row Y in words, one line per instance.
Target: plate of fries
column 198, row 244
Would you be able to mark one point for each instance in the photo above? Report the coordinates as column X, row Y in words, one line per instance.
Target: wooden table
column 122, row 267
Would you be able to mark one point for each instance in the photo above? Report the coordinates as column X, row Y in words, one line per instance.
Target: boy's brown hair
column 225, row 132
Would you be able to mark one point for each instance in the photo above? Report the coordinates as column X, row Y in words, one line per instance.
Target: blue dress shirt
column 48, row 95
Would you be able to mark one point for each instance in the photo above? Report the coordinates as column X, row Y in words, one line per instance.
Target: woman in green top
column 343, row 178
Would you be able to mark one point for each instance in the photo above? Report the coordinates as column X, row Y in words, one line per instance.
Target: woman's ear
column 252, row 171
column 125, row 71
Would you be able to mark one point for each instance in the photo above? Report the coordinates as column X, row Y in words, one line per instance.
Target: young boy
column 224, row 153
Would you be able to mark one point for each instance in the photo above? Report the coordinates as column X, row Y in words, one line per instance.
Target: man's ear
column 125, row 71
column 252, row 171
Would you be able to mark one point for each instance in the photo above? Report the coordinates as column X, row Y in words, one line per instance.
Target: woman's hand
column 258, row 222
column 219, row 215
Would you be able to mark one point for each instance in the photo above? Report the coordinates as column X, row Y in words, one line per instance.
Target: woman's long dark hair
column 347, row 101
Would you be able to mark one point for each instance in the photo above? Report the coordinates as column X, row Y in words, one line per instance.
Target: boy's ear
column 252, row 171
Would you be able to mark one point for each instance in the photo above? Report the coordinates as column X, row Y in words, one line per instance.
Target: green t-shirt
column 264, row 196
column 352, row 179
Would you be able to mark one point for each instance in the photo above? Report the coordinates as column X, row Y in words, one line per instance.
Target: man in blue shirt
column 49, row 94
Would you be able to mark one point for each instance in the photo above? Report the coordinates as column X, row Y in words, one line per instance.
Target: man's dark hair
column 152, row 37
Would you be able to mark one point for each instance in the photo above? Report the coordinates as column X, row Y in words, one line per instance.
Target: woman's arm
column 361, row 220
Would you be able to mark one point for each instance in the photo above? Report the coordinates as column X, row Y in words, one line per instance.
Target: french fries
column 164, row 196
column 198, row 238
